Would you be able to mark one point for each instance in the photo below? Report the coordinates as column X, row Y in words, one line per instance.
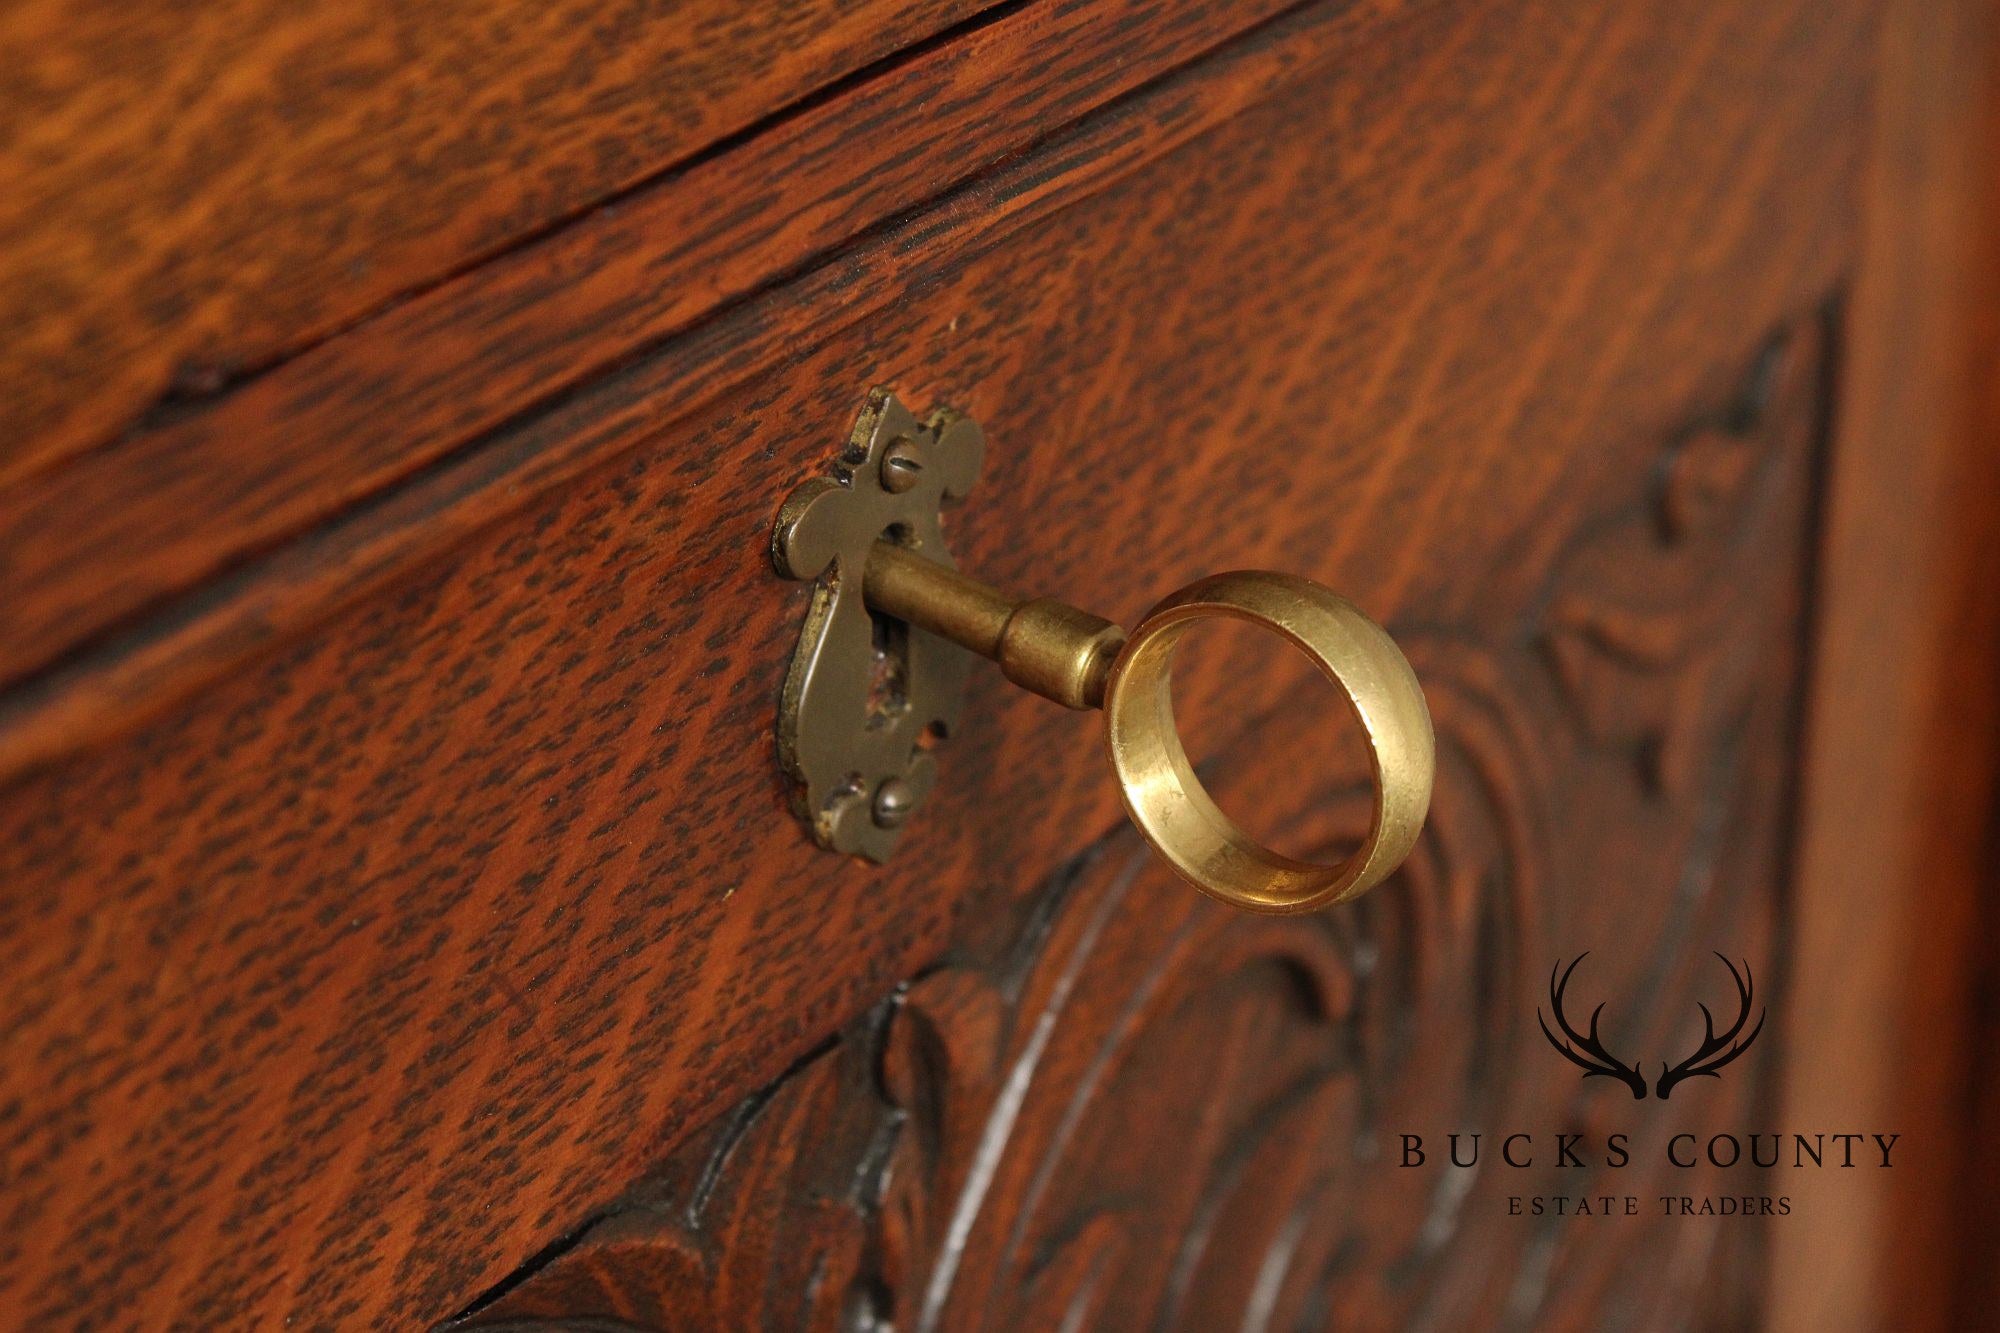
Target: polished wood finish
column 193, row 196
column 279, row 592
column 1894, row 1018
column 180, row 500
column 1118, row 1105
column 402, row 915
column 189, row 493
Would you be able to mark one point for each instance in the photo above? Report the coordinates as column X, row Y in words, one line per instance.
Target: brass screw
column 902, row 467
column 893, row 803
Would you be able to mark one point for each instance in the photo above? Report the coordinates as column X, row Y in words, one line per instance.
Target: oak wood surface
column 180, row 499
column 267, row 597
column 1894, row 1018
column 465, row 890
column 1117, row 1105
column 194, row 192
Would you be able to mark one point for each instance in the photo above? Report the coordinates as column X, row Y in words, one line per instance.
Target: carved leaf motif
column 1118, row 1105
column 1653, row 625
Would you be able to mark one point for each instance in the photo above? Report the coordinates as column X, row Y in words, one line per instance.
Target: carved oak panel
column 1118, row 1105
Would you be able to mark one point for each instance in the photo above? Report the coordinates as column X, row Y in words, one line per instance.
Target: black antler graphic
column 1595, row 1060
column 1716, row 1051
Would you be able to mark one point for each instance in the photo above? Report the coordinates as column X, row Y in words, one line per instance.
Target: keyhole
column 889, row 670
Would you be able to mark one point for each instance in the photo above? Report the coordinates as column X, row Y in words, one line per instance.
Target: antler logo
column 1587, row 1051
column 1715, row 1052
column 1596, row 1062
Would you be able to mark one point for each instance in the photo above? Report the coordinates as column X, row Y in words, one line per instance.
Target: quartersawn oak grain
column 87, row 545
column 1018, row 1139
column 95, row 557
column 429, row 928
column 194, row 192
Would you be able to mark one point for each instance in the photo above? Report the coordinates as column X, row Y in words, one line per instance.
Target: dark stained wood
column 193, row 193
column 464, row 891
column 1118, row 1105
column 1893, row 1018
column 87, row 546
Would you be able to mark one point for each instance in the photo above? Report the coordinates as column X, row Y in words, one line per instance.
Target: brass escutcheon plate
column 867, row 695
